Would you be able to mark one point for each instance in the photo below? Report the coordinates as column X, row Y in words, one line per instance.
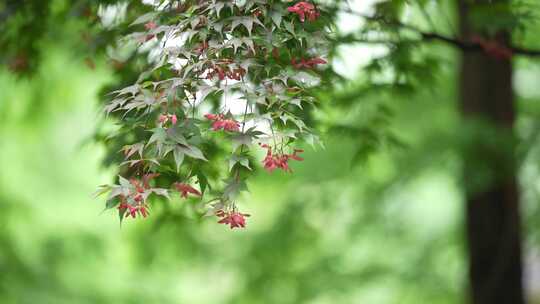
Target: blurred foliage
column 376, row 217
column 385, row 232
column 85, row 25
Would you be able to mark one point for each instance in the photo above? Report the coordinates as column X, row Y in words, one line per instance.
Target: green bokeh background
column 386, row 229
column 383, row 231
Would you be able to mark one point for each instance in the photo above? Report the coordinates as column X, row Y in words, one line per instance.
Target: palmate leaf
column 202, row 179
column 247, row 22
column 133, row 89
column 115, row 104
column 145, row 18
column 175, row 135
column 233, row 188
column 101, row 190
column 236, row 48
column 123, row 182
column 178, row 157
column 192, row 152
column 116, row 191
column 238, row 42
column 159, row 135
column 238, row 159
column 204, row 90
column 313, row 140
column 129, row 150
column 297, row 102
column 245, row 138
column 131, row 163
column 289, row 26
column 276, row 16
column 250, row 3
column 111, row 203
column 241, row 139
column 121, row 214
column 218, row 6
column 161, row 192
column 167, row 148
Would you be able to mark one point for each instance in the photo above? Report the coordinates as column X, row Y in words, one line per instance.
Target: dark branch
column 525, row 52
column 429, row 36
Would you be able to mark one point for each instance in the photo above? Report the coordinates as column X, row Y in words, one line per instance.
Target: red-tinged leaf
column 129, row 150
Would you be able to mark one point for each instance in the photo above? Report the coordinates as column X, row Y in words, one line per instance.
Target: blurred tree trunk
column 493, row 220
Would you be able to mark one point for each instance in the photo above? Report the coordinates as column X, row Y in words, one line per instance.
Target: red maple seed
column 493, row 48
column 221, row 123
column 233, row 219
column 307, row 63
column 279, row 161
column 150, row 25
column 303, row 9
column 186, row 189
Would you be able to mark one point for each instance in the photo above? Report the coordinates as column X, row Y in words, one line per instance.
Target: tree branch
column 430, row 36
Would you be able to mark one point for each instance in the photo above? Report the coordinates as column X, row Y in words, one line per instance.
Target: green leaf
column 178, row 158
column 132, row 149
column 245, row 138
column 116, row 191
column 205, row 90
column 233, row 189
column 159, row 135
column 167, row 149
column 101, row 190
column 242, row 160
column 121, row 213
column 203, row 181
column 232, row 161
column 218, row 6
column 249, row 43
column 124, row 182
column 144, row 18
column 161, row 192
column 218, row 26
column 276, row 17
column 313, row 140
column 247, row 22
column 111, row 203
column 241, row 139
column 245, row 162
column 290, row 28
column 236, row 43
column 133, row 89
column 192, row 152
column 176, row 136
column 297, row 102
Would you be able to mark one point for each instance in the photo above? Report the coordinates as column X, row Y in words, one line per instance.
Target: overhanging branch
column 433, row 36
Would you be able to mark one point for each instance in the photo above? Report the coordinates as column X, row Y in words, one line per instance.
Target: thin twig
column 430, row 36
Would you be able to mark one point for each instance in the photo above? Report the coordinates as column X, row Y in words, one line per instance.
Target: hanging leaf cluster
column 225, row 90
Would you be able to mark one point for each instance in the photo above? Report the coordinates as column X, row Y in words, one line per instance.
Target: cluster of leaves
column 29, row 25
column 222, row 76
